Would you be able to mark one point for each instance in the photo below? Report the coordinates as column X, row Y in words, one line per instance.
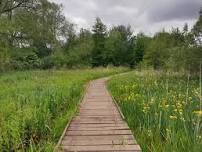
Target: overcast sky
column 147, row 16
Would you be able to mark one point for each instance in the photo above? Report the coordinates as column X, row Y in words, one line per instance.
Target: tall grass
column 163, row 110
column 36, row 105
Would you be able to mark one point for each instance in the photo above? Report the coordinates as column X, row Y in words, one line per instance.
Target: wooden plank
column 97, row 128
column 81, row 117
column 91, row 117
column 101, row 147
column 107, row 112
column 108, row 109
column 97, row 100
column 98, row 103
column 99, row 108
column 99, row 115
column 88, row 106
column 97, row 119
column 105, row 123
column 89, row 121
column 104, row 137
column 99, row 125
column 93, row 142
column 98, row 132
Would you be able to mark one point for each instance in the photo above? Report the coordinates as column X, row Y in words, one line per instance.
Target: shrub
column 4, row 59
column 24, row 58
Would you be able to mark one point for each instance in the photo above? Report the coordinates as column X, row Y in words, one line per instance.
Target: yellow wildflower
column 168, row 130
column 183, row 102
column 180, row 110
column 175, row 110
column 144, row 111
column 173, row 117
column 182, row 119
column 166, row 106
column 173, row 106
column 198, row 113
column 179, row 105
column 199, row 137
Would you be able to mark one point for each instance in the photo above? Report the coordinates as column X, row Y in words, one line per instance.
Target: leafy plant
column 163, row 110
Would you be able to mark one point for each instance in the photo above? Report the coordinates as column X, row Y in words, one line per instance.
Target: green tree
column 197, row 30
column 177, row 37
column 38, row 28
column 113, row 47
column 125, row 53
column 99, row 37
column 157, row 54
column 141, row 44
column 80, row 53
column 7, row 6
column 120, row 46
column 69, row 35
column 4, row 59
column 34, row 25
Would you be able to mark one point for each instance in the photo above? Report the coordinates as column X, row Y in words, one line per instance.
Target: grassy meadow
column 35, row 106
column 163, row 110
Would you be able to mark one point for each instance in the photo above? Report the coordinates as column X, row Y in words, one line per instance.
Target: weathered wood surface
column 98, row 126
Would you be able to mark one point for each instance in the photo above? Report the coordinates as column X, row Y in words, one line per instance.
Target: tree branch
column 4, row 10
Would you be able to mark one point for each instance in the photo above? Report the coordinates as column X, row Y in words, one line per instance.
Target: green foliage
column 36, row 106
column 80, row 53
column 193, row 59
column 119, row 46
column 197, row 29
column 39, row 27
column 40, row 24
column 4, row 59
column 99, row 37
column 113, row 48
column 24, row 58
column 157, row 52
column 7, row 6
column 162, row 109
column 142, row 42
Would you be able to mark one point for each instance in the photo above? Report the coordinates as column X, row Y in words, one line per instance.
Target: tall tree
column 197, row 29
column 157, row 54
column 177, row 37
column 113, row 47
column 120, row 45
column 79, row 53
column 39, row 27
column 69, row 35
column 141, row 44
column 99, row 37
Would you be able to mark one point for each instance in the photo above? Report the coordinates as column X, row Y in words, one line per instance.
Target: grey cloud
column 144, row 15
column 174, row 10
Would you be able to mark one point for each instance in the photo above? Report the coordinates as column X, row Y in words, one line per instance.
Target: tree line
column 34, row 34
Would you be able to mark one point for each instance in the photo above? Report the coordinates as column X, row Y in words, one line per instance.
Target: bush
column 56, row 60
column 4, row 59
column 25, row 58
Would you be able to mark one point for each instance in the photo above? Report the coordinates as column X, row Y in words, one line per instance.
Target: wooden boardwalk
column 99, row 126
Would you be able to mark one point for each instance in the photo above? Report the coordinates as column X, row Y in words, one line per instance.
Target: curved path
column 98, row 126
